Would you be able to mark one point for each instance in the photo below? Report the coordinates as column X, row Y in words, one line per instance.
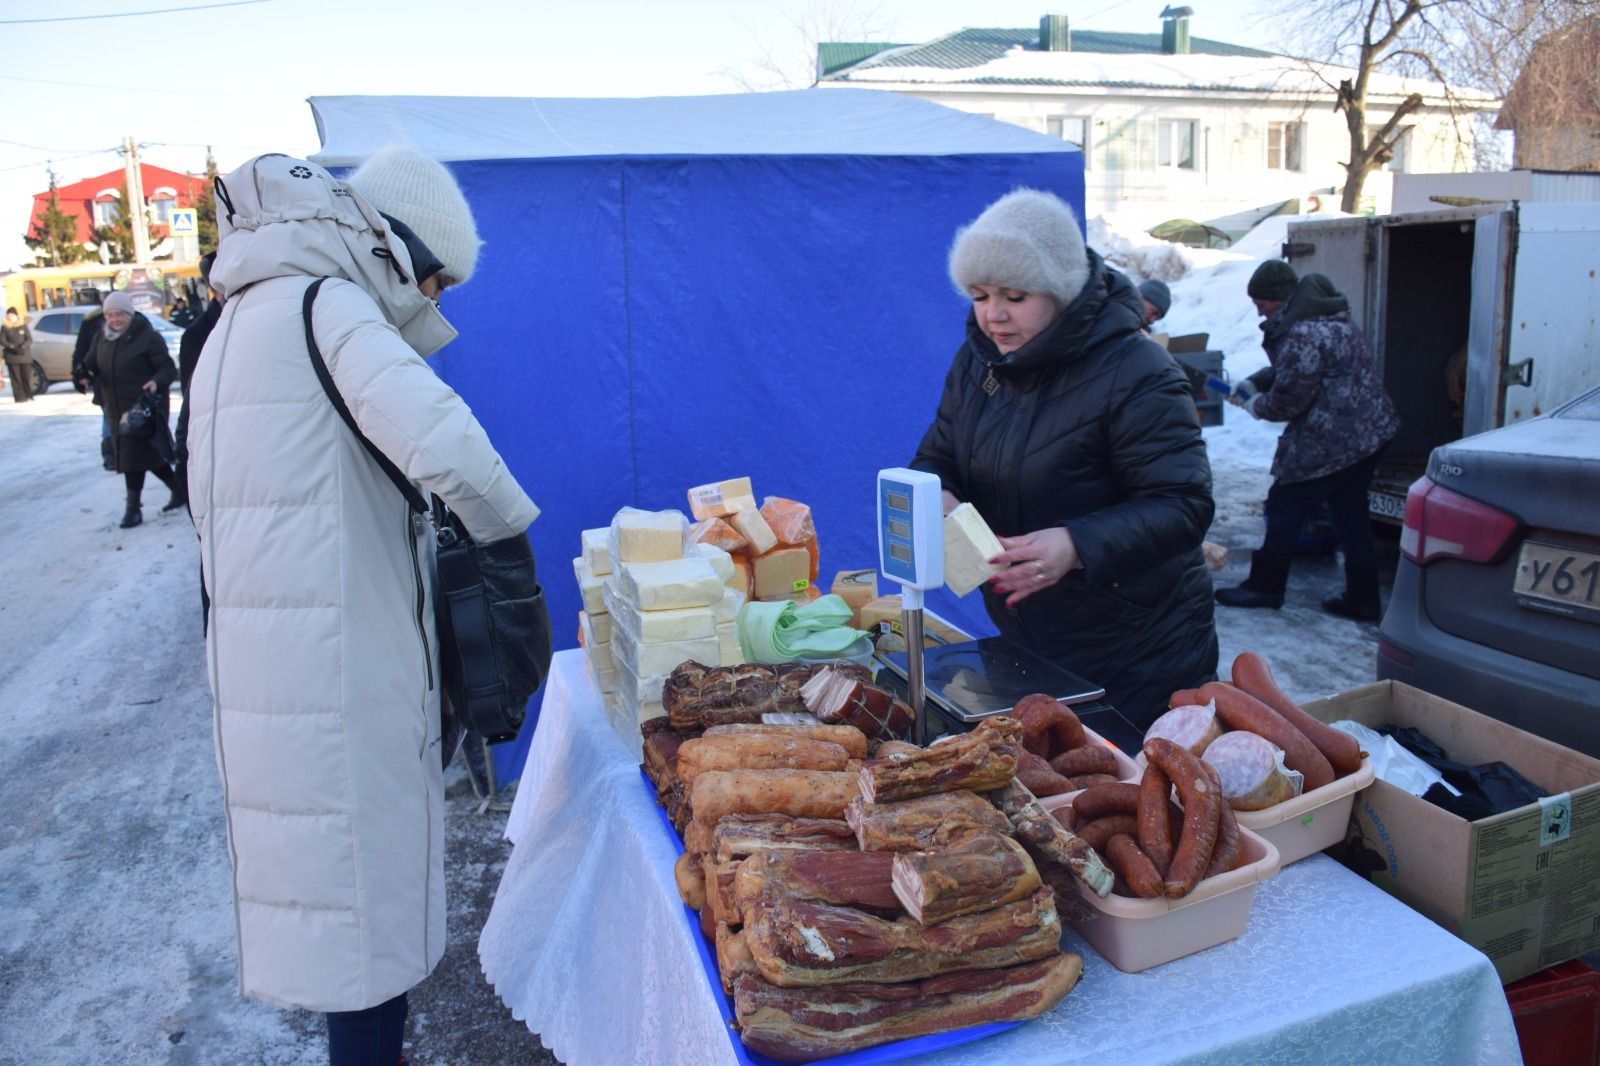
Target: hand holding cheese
column 1032, row 562
column 969, row 544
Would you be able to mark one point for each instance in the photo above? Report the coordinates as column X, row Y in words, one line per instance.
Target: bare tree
column 788, row 60
column 1454, row 44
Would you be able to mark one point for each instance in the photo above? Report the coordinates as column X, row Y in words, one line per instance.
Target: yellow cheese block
column 881, row 615
column 969, row 544
column 783, row 572
column 648, row 536
column 857, row 588
column 755, row 530
column 655, row 627
column 721, row 498
column 720, row 560
column 596, row 551
column 672, row 583
column 589, row 587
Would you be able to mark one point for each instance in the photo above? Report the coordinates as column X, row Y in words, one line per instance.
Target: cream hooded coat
column 322, row 653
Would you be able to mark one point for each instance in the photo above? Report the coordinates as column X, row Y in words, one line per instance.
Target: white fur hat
column 1027, row 240
column 416, row 189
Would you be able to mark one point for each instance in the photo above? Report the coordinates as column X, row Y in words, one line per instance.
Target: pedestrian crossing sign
column 183, row 222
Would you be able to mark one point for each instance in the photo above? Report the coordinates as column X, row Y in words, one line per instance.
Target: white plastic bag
column 1393, row 763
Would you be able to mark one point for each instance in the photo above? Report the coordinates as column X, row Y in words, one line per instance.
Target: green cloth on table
column 783, row 631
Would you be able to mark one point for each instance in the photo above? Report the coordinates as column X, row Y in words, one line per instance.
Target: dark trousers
column 134, row 480
column 21, row 381
column 1345, row 492
column 371, row 1037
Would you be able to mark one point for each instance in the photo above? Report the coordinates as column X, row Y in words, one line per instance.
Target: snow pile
column 1136, row 253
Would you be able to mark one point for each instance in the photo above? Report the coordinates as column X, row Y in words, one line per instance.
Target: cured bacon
column 839, row 694
column 738, row 835
column 977, row 872
column 803, row 1024
column 1035, row 827
column 696, row 696
column 796, row 943
column 985, row 758
column 842, row 878
column 922, row 823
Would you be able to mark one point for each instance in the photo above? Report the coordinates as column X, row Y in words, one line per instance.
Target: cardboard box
column 1523, row 887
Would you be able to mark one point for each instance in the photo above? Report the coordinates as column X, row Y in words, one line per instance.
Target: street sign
column 183, row 222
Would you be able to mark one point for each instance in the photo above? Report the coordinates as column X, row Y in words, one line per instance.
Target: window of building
column 1175, row 143
column 162, row 201
column 1125, row 144
column 1285, row 145
column 1068, row 128
column 1400, row 154
column 107, row 209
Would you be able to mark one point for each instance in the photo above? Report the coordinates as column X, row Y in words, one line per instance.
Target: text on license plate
column 1558, row 575
column 1385, row 505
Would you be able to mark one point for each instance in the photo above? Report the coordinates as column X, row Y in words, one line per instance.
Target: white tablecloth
column 588, row 944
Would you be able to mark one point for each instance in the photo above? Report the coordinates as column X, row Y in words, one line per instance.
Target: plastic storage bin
column 1557, row 1014
column 1310, row 822
column 1136, row 934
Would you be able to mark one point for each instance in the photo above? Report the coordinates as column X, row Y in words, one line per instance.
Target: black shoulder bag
column 493, row 626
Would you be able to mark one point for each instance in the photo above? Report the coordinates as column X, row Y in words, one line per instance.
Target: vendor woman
column 1074, row 436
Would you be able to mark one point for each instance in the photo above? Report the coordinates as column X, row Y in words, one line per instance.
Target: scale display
column 910, row 528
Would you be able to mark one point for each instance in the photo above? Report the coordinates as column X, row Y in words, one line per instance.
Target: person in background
column 194, row 339
column 181, row 314
column 1157, row 300
column 324, row 662
column 17, row 342
column 130, row 357
column 1074, row 436
column 1323, row 382
column 83, row 379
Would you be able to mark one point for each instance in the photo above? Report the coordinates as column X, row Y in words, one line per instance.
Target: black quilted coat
column 1090, row 426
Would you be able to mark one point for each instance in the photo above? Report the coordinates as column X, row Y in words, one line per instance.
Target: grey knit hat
column 1027, row 240
column 419, row 191
column 1155, row 290
column 1273, row 280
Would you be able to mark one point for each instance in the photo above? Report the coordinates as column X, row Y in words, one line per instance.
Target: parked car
column 55, row 333
column 1496, row 602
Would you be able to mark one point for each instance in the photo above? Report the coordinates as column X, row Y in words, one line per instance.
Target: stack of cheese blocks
column 594, row 621
column 774, row 546
column 666, row 601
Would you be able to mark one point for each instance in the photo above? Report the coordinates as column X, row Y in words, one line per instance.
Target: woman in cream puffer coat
column 322, row 653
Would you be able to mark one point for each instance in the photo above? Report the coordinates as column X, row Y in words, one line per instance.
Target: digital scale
column 911, row 553
column 984, row 678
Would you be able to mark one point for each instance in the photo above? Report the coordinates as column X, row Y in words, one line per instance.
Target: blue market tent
column 678, row 290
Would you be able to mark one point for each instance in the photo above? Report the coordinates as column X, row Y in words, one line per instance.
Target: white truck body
column 1515, row 285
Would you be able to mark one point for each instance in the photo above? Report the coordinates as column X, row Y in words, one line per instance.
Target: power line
column 57, row 159
column 130, row 14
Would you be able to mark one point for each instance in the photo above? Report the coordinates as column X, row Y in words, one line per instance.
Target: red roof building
column 95, row 201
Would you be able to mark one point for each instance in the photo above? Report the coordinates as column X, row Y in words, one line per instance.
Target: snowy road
column 116, row 937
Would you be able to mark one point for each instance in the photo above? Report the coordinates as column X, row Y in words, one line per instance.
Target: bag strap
column 407, row 489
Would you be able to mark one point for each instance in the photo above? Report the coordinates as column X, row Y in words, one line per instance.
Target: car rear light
column 1441, row 524
column 1395, row 654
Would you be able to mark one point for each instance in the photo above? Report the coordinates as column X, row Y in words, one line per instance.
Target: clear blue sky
column 237, row 77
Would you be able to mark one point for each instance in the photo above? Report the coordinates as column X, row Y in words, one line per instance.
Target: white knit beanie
column 1027, row 240
column 407, row 185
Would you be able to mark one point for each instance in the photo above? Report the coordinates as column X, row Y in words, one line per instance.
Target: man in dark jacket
column 1074, row 436
column 17, row 343
column 1323, row 382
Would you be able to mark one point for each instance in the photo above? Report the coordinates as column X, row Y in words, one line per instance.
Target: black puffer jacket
column 121, row 368
column 1091, row 426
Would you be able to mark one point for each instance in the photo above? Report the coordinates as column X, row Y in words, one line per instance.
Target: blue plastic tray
column 894, row 1051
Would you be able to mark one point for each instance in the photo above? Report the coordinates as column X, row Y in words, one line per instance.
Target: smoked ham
column 1035, row 827
column 922, row 823
column 801, row 793
column 977, row 872
column 985, row 758
column 739, row 835
column 696, row 696
column 843, row 878
column 848, row 737
column 838, row 694
column 797, row 943
column 803, row 1024
column 756, row 751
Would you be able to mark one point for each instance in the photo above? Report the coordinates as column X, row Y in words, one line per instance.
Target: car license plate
column 1385, row 505
column 1564, row 580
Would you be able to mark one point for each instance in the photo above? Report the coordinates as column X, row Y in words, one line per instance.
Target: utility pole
column 135, row 182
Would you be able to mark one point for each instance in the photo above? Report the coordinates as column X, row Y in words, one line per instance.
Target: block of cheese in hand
column 596, row 552
column 660, row 658
column 671, row 583
column 721, row 498
column 728, row 650
column 754, row 529
column 969, row 544
column 648, row 536
column 782, row 573
column 656, row 627
column 720, row 561
column 588, row 587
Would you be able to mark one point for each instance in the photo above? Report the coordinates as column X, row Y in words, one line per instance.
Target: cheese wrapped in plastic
column 717, row 532
column 646, row 536
column 790, row 521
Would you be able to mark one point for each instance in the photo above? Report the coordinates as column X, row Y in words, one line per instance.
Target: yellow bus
column 154, row 286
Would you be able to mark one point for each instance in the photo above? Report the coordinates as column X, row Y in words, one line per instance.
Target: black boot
column 1359, row 600
column 132, row 516
column 1264, row 587
column 179, row 498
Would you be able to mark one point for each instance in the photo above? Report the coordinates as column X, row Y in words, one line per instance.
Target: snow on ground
column 116, row 931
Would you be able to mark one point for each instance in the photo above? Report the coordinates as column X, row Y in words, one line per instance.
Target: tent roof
column 800, row 122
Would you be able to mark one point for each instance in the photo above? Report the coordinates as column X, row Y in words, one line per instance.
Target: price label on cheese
column 801, row 585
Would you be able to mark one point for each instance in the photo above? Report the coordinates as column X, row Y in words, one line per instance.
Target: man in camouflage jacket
column 1323, row 382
